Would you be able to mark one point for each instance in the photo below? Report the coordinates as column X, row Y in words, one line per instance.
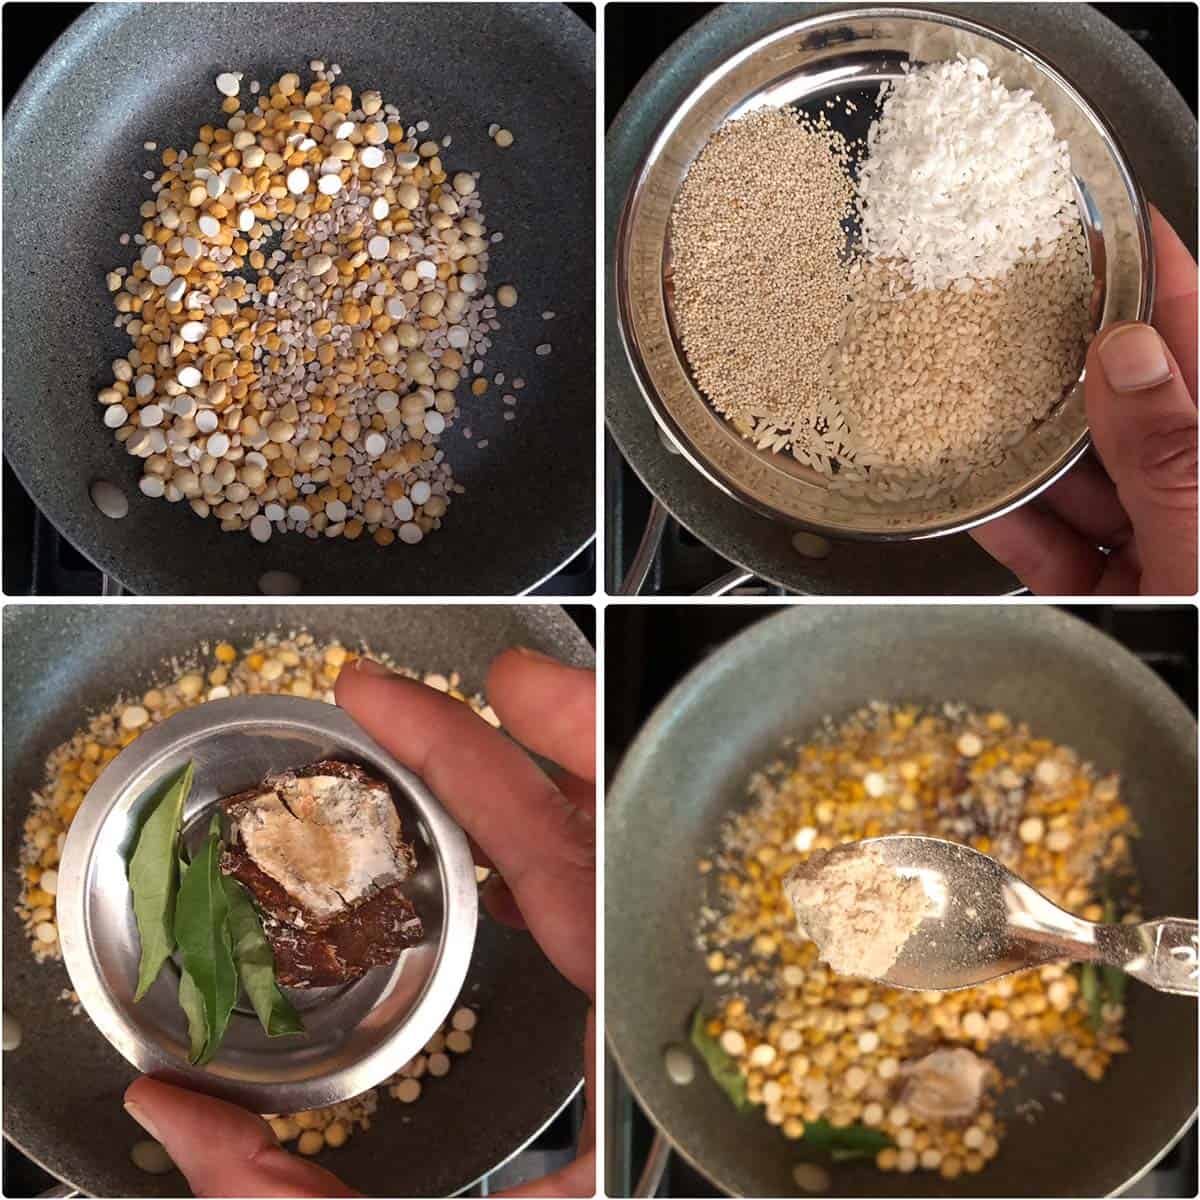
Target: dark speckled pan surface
column 124, row 74
column 63, row 1087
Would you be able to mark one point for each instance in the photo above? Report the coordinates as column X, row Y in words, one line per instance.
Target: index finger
column 1175, row 269
column 541, row 844
column 547, row 706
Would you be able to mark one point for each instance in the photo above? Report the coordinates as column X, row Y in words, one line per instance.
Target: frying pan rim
column 563, row 627
column 467, row 1186
column 33, row 1158
column 1073, row 632
column 21, row 107
column 649, row 734
column 532, row 1137
column 555, row 570
column 712, row 1177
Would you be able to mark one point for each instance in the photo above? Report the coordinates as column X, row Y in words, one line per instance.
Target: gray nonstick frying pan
column 126, row 73
column 688, row 768
column 63, row 1085
column 1158, row 133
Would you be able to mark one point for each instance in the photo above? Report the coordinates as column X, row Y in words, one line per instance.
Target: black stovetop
column 651, row 647
column 635, row 35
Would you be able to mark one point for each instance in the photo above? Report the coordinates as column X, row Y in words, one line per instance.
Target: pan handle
column 656, row 1165
column 647, row 551
column 727, row 583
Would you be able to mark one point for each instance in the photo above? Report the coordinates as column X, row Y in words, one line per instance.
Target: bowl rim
column 666, row 423
column 453, row 862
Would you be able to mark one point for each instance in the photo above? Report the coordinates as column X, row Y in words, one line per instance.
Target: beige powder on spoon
column 856, row 907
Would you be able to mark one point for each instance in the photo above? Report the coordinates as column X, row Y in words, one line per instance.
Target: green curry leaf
column 191, row 1001
column 154, row 881
column 205, row 943
column 256, row 964
column 844, row 1143
column 720, row 1065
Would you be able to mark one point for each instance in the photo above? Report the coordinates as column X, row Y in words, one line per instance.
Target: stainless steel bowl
column 357, row 1034
column 852, row 53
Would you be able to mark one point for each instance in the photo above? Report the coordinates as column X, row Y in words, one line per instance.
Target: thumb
column 1143, row 422
column 222, row 1149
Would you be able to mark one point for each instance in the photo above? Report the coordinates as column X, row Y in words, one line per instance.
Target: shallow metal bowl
column 852, row 53
column 356, row 1035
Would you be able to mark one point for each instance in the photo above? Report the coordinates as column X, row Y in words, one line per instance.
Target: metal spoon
column 984, row 922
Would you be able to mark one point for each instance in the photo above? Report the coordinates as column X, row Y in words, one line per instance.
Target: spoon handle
column 1162, row 953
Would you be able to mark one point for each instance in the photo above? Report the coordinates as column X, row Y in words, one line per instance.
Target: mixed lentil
column 304, row 387
column 296, row 665
column 813, row 1045
column 320, row 1128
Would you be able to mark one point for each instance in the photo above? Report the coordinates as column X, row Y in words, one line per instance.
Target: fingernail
column 368, row 666
column 1133, row 359
column 537, row 654
column 143, row 1119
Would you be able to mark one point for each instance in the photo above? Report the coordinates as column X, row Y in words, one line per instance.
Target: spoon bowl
column 984, row 921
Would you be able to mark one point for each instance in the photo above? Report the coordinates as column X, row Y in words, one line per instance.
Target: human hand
column 1139, row 500
column 538, row 834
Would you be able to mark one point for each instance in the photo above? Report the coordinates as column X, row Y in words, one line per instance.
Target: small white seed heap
column 303, row 387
